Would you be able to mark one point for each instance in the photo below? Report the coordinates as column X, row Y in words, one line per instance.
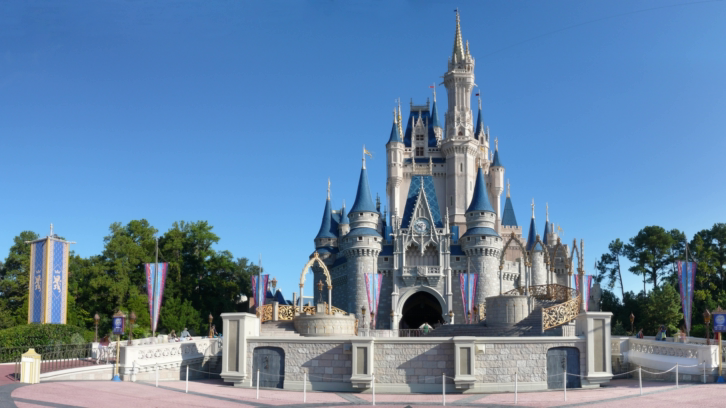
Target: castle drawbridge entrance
column 422, row 307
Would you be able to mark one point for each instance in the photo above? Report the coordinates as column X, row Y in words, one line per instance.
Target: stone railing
column 662, row 355
column 556, row 292
column 142, row 358
column 421, row 270
column 560, row 314
column 276, row 312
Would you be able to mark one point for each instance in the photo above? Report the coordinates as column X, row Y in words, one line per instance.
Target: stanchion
column 640, row 379
column 258, row 384
column 564, row 383
column 676, row 375
column 704, row 372
column 305, row 387
column 157, row 376
column 374, row 388
column 516, row 380
column 443, row 387
column 186, row 391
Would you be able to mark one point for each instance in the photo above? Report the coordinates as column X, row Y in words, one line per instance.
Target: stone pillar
column 539, row 269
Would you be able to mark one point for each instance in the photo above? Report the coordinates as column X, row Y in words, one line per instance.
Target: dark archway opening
column 420, row 308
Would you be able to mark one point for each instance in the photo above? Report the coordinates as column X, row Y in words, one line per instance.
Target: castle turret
column 481, row 242
column 534, row 246
column 482, row 135
column 438, row 130
column 326, row 237
column 496, row 180
column 344, row 224
column 394, row 168
column 509, row 220
column 362, row 244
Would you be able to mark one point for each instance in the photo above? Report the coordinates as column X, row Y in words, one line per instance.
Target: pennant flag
column 373, row 289
column 48, row 281
column 431, row 86
column 687, row 282
column 468, row 293
column 155, row 282
column 260, row 288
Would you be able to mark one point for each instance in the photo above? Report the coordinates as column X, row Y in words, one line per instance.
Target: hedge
column 29, row 335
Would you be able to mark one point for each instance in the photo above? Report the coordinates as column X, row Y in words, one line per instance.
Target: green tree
column 609, row 265
column 14, row 282
column 664, row 307
column 650, row 252
column 177, row 314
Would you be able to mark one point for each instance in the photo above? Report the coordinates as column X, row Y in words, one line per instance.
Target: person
column 682, row 334
column 214, row 331
column 185, row 335
column 661, row 336
column 640, row 334
column 173, row 336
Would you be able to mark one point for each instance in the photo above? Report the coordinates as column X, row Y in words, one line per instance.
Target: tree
column 609, row 265
column 14, row 276
column 664, row 307
column 650, row 252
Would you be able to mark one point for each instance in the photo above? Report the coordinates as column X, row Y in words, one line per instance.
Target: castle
column 444, row 187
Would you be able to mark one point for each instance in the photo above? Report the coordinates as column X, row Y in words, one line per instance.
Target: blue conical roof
column 363, row 200
column 325, row 224
column 343, row 217
column 479, row 124
column 495, row 161
column 480, row 199
column 508, row 217
column 532, row 237
column 547, row 228
column 435, row 116
column 395, row 137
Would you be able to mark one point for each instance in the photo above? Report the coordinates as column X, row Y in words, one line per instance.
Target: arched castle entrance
column 419, row 306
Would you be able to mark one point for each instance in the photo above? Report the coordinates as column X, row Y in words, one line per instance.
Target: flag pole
column 153, row 290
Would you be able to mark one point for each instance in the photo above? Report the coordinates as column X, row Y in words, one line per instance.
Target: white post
column 676, row 375
column 186, row 391
column 305, row 387
column 516, row 380
column 704, row 372
column 443, row 387
column 258, row 384
column 564, row 385
column 374, row 388
column 640, row 380
column 157, row 376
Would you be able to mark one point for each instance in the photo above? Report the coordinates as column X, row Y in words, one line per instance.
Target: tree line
column 653, row 253
column 200, row 280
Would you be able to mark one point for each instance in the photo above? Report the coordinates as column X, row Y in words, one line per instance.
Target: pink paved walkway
column 621, row 393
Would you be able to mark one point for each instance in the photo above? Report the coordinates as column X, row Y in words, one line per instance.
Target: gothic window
column 420, row 137
column 457, row 259
column 419, row 151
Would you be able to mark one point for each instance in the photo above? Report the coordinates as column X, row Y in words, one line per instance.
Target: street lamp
column 96, row 319
column 707, row 320
column 132, row 320
column 632, row 319
column 211, row 333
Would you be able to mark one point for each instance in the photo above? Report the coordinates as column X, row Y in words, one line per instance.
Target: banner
column 155, row 283
column 256, row 289
column 48, row 281
column 686, row 282
column 373, row 289
column 588, row 286
column 468, row 293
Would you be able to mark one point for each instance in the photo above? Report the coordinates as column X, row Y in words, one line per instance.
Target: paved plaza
column 213, row 393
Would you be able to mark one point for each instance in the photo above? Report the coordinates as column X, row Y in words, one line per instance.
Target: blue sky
column 237, row 113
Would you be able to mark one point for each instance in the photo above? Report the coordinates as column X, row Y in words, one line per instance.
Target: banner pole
column 153, row 292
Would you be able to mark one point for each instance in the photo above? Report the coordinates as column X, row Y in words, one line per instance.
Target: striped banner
column 687, row 282
column 373, row 290
column 588, row 286
column 256, row 289
column 468, row 294
column 155, row 283
column 48, row 282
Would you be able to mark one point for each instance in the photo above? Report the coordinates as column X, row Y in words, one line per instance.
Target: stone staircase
column 278, row 329
column 529, row 326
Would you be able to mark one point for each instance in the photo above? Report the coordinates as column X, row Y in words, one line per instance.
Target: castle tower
column 481, row 133
column 438, row 130
column 344, row 224
column 361, row 245
column 539, row 272
column 326, row 237
column 460, row 147
column 394, row 168
column 496, row 181
column 481, row 243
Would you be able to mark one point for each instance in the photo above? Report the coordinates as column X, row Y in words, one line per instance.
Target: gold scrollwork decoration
column 546, row 292
column 560, row 314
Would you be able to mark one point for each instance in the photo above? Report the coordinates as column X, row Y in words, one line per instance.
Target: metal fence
column 53, row 357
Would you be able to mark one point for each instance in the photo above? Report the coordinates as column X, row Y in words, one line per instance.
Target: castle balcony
column 430, row 274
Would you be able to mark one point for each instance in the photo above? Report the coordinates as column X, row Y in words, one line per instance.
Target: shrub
column 30, row 335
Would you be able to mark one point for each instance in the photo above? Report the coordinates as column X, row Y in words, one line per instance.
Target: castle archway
column 421, row 307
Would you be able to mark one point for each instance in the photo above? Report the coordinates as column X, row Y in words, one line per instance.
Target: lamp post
column 632, row 319
column 707, row 320
column 132, row 320
column 96, row 319
column 211, row 333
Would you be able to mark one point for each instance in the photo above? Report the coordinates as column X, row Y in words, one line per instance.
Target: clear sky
column 237, row 112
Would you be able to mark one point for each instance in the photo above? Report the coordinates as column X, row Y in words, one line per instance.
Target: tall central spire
column 458, row 54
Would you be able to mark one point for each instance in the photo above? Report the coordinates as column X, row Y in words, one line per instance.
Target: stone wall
column 418, row 363
column 500, row 361
column 324, row 361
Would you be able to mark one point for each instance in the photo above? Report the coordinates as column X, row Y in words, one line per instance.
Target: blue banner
column 48, row 281
column 719, row 322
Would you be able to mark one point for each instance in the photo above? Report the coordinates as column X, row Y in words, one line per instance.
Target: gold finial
column 533, row 208
column 496, row 143
column 458, row 47
column 480, row 102
column 364, row 157
column 547, row 212
column 328, row 188
column 507, row 188
column 400, row 125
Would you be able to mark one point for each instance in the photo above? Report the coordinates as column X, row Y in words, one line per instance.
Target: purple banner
column 261, row 288
column 155, row 283
column 468, row 293
column 686, row 282
column 373, row 289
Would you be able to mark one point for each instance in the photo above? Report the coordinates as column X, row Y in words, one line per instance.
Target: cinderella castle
column 444, row 191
